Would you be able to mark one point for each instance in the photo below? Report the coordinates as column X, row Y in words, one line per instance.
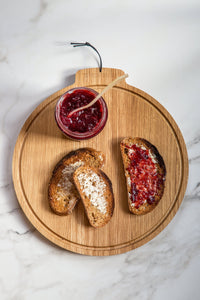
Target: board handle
column 92, row 76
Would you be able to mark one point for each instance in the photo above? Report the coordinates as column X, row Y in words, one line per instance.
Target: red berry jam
column 84, row 123
column 145, row 180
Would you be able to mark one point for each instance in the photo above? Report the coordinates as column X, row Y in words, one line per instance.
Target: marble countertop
column 157, row 44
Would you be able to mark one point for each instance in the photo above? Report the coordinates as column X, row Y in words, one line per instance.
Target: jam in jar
column 85, row 123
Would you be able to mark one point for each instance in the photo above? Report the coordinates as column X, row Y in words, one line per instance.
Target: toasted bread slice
column 62, row 192
column 95, row 189
column 145, row 174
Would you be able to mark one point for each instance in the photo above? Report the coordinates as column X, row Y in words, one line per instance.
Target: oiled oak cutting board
column 40, row 145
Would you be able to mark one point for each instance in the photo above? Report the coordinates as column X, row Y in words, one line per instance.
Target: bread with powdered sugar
column 95, row 189
column 62, row 193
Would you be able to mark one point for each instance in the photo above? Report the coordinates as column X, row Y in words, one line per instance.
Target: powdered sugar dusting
column 101, row 157
column 153, row 157
column 128, row 180
column 94, row 188
column 65, row 183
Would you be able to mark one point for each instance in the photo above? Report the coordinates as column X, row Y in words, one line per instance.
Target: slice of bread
column 145, row 174
column 62, row 193
column 95, row 189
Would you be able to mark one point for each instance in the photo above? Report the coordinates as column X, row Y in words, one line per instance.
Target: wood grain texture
column 40, row 145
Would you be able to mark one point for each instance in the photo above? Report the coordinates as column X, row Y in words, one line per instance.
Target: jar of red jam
column 85, row 123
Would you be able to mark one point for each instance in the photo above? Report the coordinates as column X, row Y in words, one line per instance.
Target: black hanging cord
column 88, row 44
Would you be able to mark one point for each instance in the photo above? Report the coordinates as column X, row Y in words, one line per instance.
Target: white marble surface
column 157, row 43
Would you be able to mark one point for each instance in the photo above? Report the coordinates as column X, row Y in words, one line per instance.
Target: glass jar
column 86, row 123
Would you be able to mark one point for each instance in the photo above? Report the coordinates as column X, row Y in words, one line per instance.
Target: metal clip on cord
column 88, row 44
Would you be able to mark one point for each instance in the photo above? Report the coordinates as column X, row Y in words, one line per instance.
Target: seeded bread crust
column 160, row 165
column 62, row 193
column 95, row 216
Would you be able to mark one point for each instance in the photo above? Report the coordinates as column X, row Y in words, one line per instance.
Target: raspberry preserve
column 146, row 181
column 83, row 124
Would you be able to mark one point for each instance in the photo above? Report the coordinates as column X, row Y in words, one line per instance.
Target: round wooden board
column 41, row 145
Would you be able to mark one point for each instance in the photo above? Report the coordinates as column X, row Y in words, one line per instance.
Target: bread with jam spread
column 95, row 189
column 62, row 193
column 145, row 174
